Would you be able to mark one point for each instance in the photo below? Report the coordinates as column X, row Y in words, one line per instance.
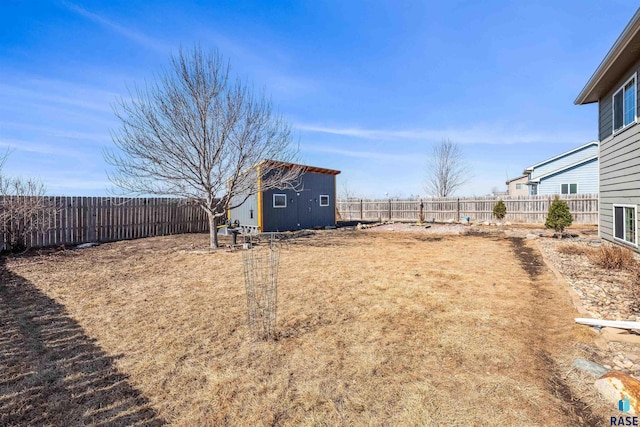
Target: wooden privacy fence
column 522, row 209
column 76, row 220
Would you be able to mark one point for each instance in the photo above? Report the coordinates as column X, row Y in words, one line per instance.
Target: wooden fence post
column 389, row 209
column 458, row 210
column 361, row 210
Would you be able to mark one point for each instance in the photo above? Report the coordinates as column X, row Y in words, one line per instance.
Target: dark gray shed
column 311, row 205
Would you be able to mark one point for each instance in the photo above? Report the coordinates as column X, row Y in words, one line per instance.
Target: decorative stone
column 612, row 336
column 614, row 386
column 86, row 245
column 531, row 236
column 594, row 369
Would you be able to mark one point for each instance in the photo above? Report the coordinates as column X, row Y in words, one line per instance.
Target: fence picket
column 523, row 209
column 72, row 220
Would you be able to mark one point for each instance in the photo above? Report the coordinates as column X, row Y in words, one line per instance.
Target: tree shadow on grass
column 52, row 373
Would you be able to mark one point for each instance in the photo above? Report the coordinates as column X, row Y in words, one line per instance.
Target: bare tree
column 446, row 169
column 23, row 208
column 346, row 193
column 199, row 134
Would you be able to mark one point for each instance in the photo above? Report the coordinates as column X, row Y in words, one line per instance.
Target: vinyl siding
column 553, row 165
column 513, row 191
column 619, row 175
column 605, row 117
column 585, row 175
column 605, row 111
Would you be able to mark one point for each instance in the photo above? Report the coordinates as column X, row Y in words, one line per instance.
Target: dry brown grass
column 612, row 257
column 373, row 329
column 573, row 249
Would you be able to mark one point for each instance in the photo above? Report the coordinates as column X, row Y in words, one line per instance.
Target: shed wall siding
column 303, row 207
column 589, row 151
column 619, row 175
column 243, row 213
column 585, row 175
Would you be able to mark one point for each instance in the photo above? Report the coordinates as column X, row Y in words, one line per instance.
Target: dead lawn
column 373, row 329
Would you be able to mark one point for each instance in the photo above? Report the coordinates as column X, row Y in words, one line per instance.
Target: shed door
column 305, row 204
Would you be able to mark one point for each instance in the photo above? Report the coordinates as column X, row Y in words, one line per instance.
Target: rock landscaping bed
column 600, row 293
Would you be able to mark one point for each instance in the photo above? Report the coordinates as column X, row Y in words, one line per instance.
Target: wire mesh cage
column 261, row 282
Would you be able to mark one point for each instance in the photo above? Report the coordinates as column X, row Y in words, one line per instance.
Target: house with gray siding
column 310, row 204
column 572, row 172
column 614, row 86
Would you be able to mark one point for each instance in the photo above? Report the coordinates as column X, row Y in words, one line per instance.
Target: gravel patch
column 441, row 229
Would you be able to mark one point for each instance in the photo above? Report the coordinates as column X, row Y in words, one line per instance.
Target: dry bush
column 573, row 249
column 612, row 257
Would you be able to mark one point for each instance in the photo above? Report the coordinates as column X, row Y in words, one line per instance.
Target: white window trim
column 328, row 200
column 274, row 201
column 613, row 106
column 624, row 224
column 569, row 188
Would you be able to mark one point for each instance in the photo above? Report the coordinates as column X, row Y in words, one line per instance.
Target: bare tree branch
column 23, row 208
column 446, row 169
column 196, row 133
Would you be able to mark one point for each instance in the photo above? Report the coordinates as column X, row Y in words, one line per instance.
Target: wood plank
column 623, row 324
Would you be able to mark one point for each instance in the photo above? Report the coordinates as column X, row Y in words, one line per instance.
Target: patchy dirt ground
column 373, row 329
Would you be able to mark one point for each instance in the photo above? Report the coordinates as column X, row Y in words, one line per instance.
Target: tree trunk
column 213, row 231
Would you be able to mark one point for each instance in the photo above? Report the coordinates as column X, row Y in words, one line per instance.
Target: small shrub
column 500, row 209
column 559, row 216
column 573, row 249
column 612, row 257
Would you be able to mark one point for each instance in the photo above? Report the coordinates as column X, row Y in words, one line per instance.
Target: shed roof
column 624, row 52
column 305, row 168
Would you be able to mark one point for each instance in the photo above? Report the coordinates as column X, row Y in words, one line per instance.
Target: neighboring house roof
column 529, row 169
column 515, row 179
column 624, row 52
column 564, row 168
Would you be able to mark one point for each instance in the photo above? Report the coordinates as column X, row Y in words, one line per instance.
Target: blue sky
column 368, row 86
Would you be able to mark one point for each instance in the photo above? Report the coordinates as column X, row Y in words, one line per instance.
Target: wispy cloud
column 128, row 33
column 39, row 148
column 83, row 99
column 369, row 155
column 469, row 135
column 58, row 133
column 64, row 186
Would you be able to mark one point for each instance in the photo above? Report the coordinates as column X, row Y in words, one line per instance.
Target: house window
column 624, row 223
column 279, row 200
column 569, row 188
column 324, row 200
column 624, row 104
column 519, row 186
column 534, row 190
